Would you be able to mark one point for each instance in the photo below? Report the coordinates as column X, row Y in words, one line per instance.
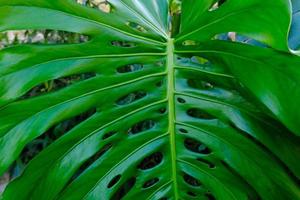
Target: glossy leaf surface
column 187, row 116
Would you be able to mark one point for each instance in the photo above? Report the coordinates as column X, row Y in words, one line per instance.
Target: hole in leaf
column 150, row 182
column 124, row 44
column 160, row 83
column 60, row 37
column 209, row 164
column 105, row 7
column 56, row 84
column 102, row 5
column 181, row 100
column 235, row 37
column 141, row 126
column 192, row 194
column 221, row 2
column 210, row 196
column 162, row 110
column 200, row 114
column 196, row 146
column 228, row 36
column 114, row 181
column 130, row 68
column 124, row 189
column 216, row 5
column 164, row 198
column 136, row 27
column 191, row 180
column 109, row 134
column 200, row 84
column 190, row 43
column 151, row 161
column 45, row 36
column 232, row 36
column 182, row 130
column 130, row 98
column 200, row 60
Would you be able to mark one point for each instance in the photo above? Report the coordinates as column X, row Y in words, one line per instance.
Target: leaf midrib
column 171, row 111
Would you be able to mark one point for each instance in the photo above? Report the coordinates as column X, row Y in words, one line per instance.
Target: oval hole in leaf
column 136, row 27
column 162, row 110
column 210, row 196
column 151, row 161
column 105, row 6
column 239, row 38
column 114, row 181
column 130, row 98
column 109, row 134
column 203, row 85
column 159, row 83
column 181, row 100
column 41, row 36
column 102, row 5
column 200, row 114
column 191, row 180
column 190, row 43
column 141, row 126
column 196, row 146
column 182, row 130
column 130, row 68
column 191, row 194
column 216, row 5
column 124, row 44
column 124, row 189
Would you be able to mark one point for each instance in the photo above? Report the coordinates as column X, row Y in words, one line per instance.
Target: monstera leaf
column 185, row 115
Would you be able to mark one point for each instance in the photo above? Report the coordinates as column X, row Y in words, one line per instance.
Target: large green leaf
column 182, row 117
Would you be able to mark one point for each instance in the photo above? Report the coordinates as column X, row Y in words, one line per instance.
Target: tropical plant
column 171, row 100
